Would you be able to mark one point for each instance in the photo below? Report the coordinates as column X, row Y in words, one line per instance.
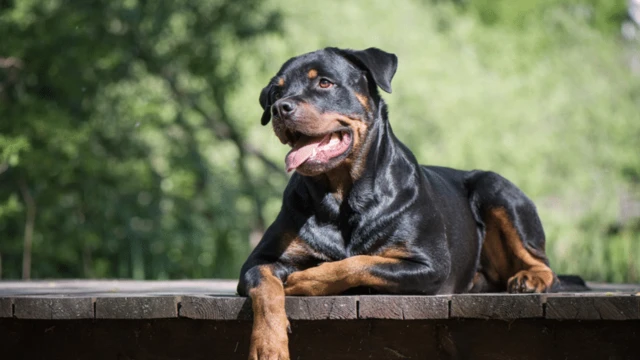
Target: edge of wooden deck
column 216, row 300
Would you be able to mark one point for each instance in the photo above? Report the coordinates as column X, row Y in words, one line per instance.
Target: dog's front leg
column 269, row 339
column 382, row 273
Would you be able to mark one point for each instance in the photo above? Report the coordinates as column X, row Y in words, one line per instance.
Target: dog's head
column 323, row 102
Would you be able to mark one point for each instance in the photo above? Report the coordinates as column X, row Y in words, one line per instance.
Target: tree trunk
column 28, row 229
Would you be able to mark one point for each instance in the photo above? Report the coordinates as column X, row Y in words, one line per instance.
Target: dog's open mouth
column 319, row 149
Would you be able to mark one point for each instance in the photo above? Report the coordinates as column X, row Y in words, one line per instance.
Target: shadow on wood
column 330, row 339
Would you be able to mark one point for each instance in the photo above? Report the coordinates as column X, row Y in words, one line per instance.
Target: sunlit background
column 131, row 145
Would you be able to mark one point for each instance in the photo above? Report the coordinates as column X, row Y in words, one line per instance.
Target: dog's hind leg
column 513, row 252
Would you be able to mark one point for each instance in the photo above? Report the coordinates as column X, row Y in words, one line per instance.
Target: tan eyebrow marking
column 363, row 100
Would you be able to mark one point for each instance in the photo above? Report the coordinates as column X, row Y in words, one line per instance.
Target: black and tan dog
column 361, row 213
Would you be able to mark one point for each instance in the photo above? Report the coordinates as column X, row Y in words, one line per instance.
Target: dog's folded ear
column 380, row 64
column 266, row 106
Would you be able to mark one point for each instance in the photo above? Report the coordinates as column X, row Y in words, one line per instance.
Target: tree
column 110, row 110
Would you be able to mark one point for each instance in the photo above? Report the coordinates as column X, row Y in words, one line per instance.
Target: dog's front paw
column 304, row 283
column 316, row 281
column 268, row 346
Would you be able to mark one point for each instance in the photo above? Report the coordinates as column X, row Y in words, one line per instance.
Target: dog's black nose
column 285, row 107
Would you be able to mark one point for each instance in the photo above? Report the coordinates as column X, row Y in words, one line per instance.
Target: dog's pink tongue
column 303, row 149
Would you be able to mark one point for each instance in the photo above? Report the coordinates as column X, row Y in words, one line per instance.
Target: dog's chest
column 351, row 235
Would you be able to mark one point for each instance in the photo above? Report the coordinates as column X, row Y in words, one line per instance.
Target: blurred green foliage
column 130, row 142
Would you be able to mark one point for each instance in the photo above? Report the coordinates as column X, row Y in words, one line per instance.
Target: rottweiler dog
column 361, row 213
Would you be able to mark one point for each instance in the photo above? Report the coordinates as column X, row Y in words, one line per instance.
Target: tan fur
column 332, row 278
column 396, row 251
column 364, row 100
column 506, row 260
column 310, row 121
column 341, row 178
column 269, row 335
column 297, row 249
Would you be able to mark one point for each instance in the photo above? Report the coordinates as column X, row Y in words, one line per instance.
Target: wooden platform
column 204, row 319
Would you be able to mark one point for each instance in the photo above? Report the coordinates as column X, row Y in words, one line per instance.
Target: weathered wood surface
column 53, row 308
column 118, row 287
column 505, row 307
column 403, row 307
column 206, row 320
column 215, row 300
column 593, row 307
column 298, row 308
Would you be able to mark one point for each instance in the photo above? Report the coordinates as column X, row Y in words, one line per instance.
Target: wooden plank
column 239, row 308
column 6, row 307
column 141, row 299
column 149, row 307
column 495, row 339
column 215, row 308
column 363, row 339
column 621, row 288
column 188, row 339
column 173, row 287
column 497, row 306
column 403, row 307
column 321, row 307
column 117, row 287
column 603, row 307
column 63, row 308
column 32, row 308
column 72, row 308
column 539, row 339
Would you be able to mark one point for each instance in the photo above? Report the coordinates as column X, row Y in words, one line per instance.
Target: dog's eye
column 325, row 84
column 277, row 95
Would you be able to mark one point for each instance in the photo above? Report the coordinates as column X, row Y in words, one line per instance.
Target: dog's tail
column 570, row 283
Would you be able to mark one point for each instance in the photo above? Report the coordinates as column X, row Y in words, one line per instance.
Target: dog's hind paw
column 531, row 281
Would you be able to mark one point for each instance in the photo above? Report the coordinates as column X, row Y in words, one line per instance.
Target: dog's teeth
column 335, row 138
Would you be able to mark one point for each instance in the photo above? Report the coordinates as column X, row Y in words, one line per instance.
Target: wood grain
column 298, row 308
column 497, row 306
column 599, row 307
column 142, row 307
column 86, row 299
column 62, row 308
column 6, row 307
column 215, row 308
column 404, row 307
column 321, row 307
